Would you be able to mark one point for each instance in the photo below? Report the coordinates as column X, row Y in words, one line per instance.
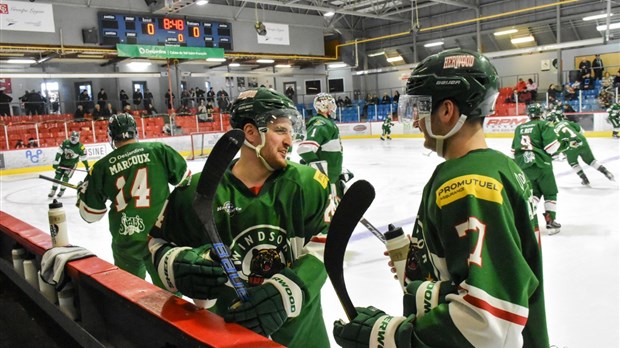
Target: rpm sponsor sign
column 503, row 124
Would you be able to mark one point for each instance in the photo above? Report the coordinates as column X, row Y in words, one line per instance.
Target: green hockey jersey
column 322, row 143
column 476, row 229
column 387, row 125
column 135, row 179
column 534, row 143
column 282, row 226
column 70, row 154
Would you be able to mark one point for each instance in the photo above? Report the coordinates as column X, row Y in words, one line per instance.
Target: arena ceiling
column 388, row 28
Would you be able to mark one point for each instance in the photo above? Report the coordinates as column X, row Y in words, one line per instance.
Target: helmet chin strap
column 441, row 138
column 257, row 149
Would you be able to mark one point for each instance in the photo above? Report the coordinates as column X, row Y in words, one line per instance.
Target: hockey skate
column 60, row 193
column 608, row 174
column 382, row 138
column 389, row 137
column 585, row 181
column 553, row 227
column 51, row 194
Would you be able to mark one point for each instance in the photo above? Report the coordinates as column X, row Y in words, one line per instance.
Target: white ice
column 580, row 263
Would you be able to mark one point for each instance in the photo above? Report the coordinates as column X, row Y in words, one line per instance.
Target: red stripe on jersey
column 309, row 142
column 497, row 312
column 86, row 209
column 319, row 239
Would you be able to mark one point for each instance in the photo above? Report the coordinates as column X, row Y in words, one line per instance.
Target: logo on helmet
column 460, row 61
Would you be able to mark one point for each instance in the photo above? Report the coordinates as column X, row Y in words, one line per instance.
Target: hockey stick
column 375, row 231
column 223, row 152
column 349, row 212
column 76, row 169
column 60, row 182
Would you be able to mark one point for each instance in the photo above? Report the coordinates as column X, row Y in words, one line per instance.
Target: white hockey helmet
column 325, row 104
column 75, row 137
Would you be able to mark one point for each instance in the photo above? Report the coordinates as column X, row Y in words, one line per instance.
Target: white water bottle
column 66, row 302
column 47, row 290
column 397, row 245
column 58, row 224
column 18, row 260
column 30, row 273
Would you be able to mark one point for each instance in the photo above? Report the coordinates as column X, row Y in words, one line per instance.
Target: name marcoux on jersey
column 118, row 164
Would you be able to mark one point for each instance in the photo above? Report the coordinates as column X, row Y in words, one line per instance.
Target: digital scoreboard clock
column 163, row 31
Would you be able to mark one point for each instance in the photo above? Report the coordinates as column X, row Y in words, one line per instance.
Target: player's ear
column 448, row 111
column 251, row 133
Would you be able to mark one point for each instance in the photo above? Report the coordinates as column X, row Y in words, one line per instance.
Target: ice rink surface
column 581, row 263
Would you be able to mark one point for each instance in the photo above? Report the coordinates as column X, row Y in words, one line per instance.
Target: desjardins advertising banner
column 151, row 51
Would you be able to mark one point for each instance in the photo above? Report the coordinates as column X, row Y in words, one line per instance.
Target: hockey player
column 70, row 152
column 269, row 211
column 322, row 147
column 135, row 178
column 571, row 133
column 476, row 266
column 614, row 119
column 533, row 145
column 386, row 128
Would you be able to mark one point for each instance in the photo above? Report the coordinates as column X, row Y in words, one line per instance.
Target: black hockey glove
column 271, row 304
column 373, row 328
column 190, row 271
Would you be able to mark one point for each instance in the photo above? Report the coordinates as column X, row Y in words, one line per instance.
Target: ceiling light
column 21, row 61
column 522, row 39
column 611, row 26
column 265, row 61
column 433, row 44
column 394, row 59
column 138, row 64
column 201, row 2
column 505, row 32
column 216, row 59
column 234, row 65
column 337, row 65
column 329, row 13
column 94, row 56
column 283, row 65
column 376, row 54
column 598, row 16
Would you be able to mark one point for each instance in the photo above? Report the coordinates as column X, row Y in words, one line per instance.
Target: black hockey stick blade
column 218, row 161
column 352, row 207
column 59, row 182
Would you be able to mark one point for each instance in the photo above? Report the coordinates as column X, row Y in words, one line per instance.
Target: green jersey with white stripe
column 476, row 228
column 322, row 143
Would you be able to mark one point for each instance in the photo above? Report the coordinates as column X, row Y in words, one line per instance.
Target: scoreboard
column 163, row 31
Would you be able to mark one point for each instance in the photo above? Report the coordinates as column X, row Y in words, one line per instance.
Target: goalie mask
column 325, row 104
column 536, row 110
column 465, row 77
column 262, row 107
column 122, row 127
column 75, row 137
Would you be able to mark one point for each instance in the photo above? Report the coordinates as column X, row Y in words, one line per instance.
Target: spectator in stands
column 396, row 97
column 127, row 109
column 192, row 97
column 32, row 143
column 569, row 92
column 84, row 99
column 211, row 95
column 532, row 89
column 290, row 93
column 185, row 99
column 339, row 101
column 169, row 98
column 137, row 98
column 124, row 99
column 150, row 110
column 108, row 111
column 148, row 98
column 386, row 99
column 97, row 112
column 586, row 83
column 205, row 112
column 26, row 102
column 617, row 80
column 598, row 67
column 584, row 67
column 37, row 102
column 79, row 113
column 102, row 99
column 567, row 108
column 5, row 103
column 20, row 144
column 521, row 86
column 184, row 110
column 200, row 95
column 222, row 100
column 347, row 101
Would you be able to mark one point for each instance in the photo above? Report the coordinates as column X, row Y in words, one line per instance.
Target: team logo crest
column 131, row 225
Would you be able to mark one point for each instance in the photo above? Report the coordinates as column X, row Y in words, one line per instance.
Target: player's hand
column 372, row 326
column 190, row 271
column 55, row 166
column 270, row 304
column 431, row 293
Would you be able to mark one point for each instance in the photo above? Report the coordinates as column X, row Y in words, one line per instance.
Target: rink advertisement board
column 26, row 16
column 503, row 124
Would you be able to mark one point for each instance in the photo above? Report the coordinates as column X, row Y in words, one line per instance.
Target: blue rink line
column 361, row 235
